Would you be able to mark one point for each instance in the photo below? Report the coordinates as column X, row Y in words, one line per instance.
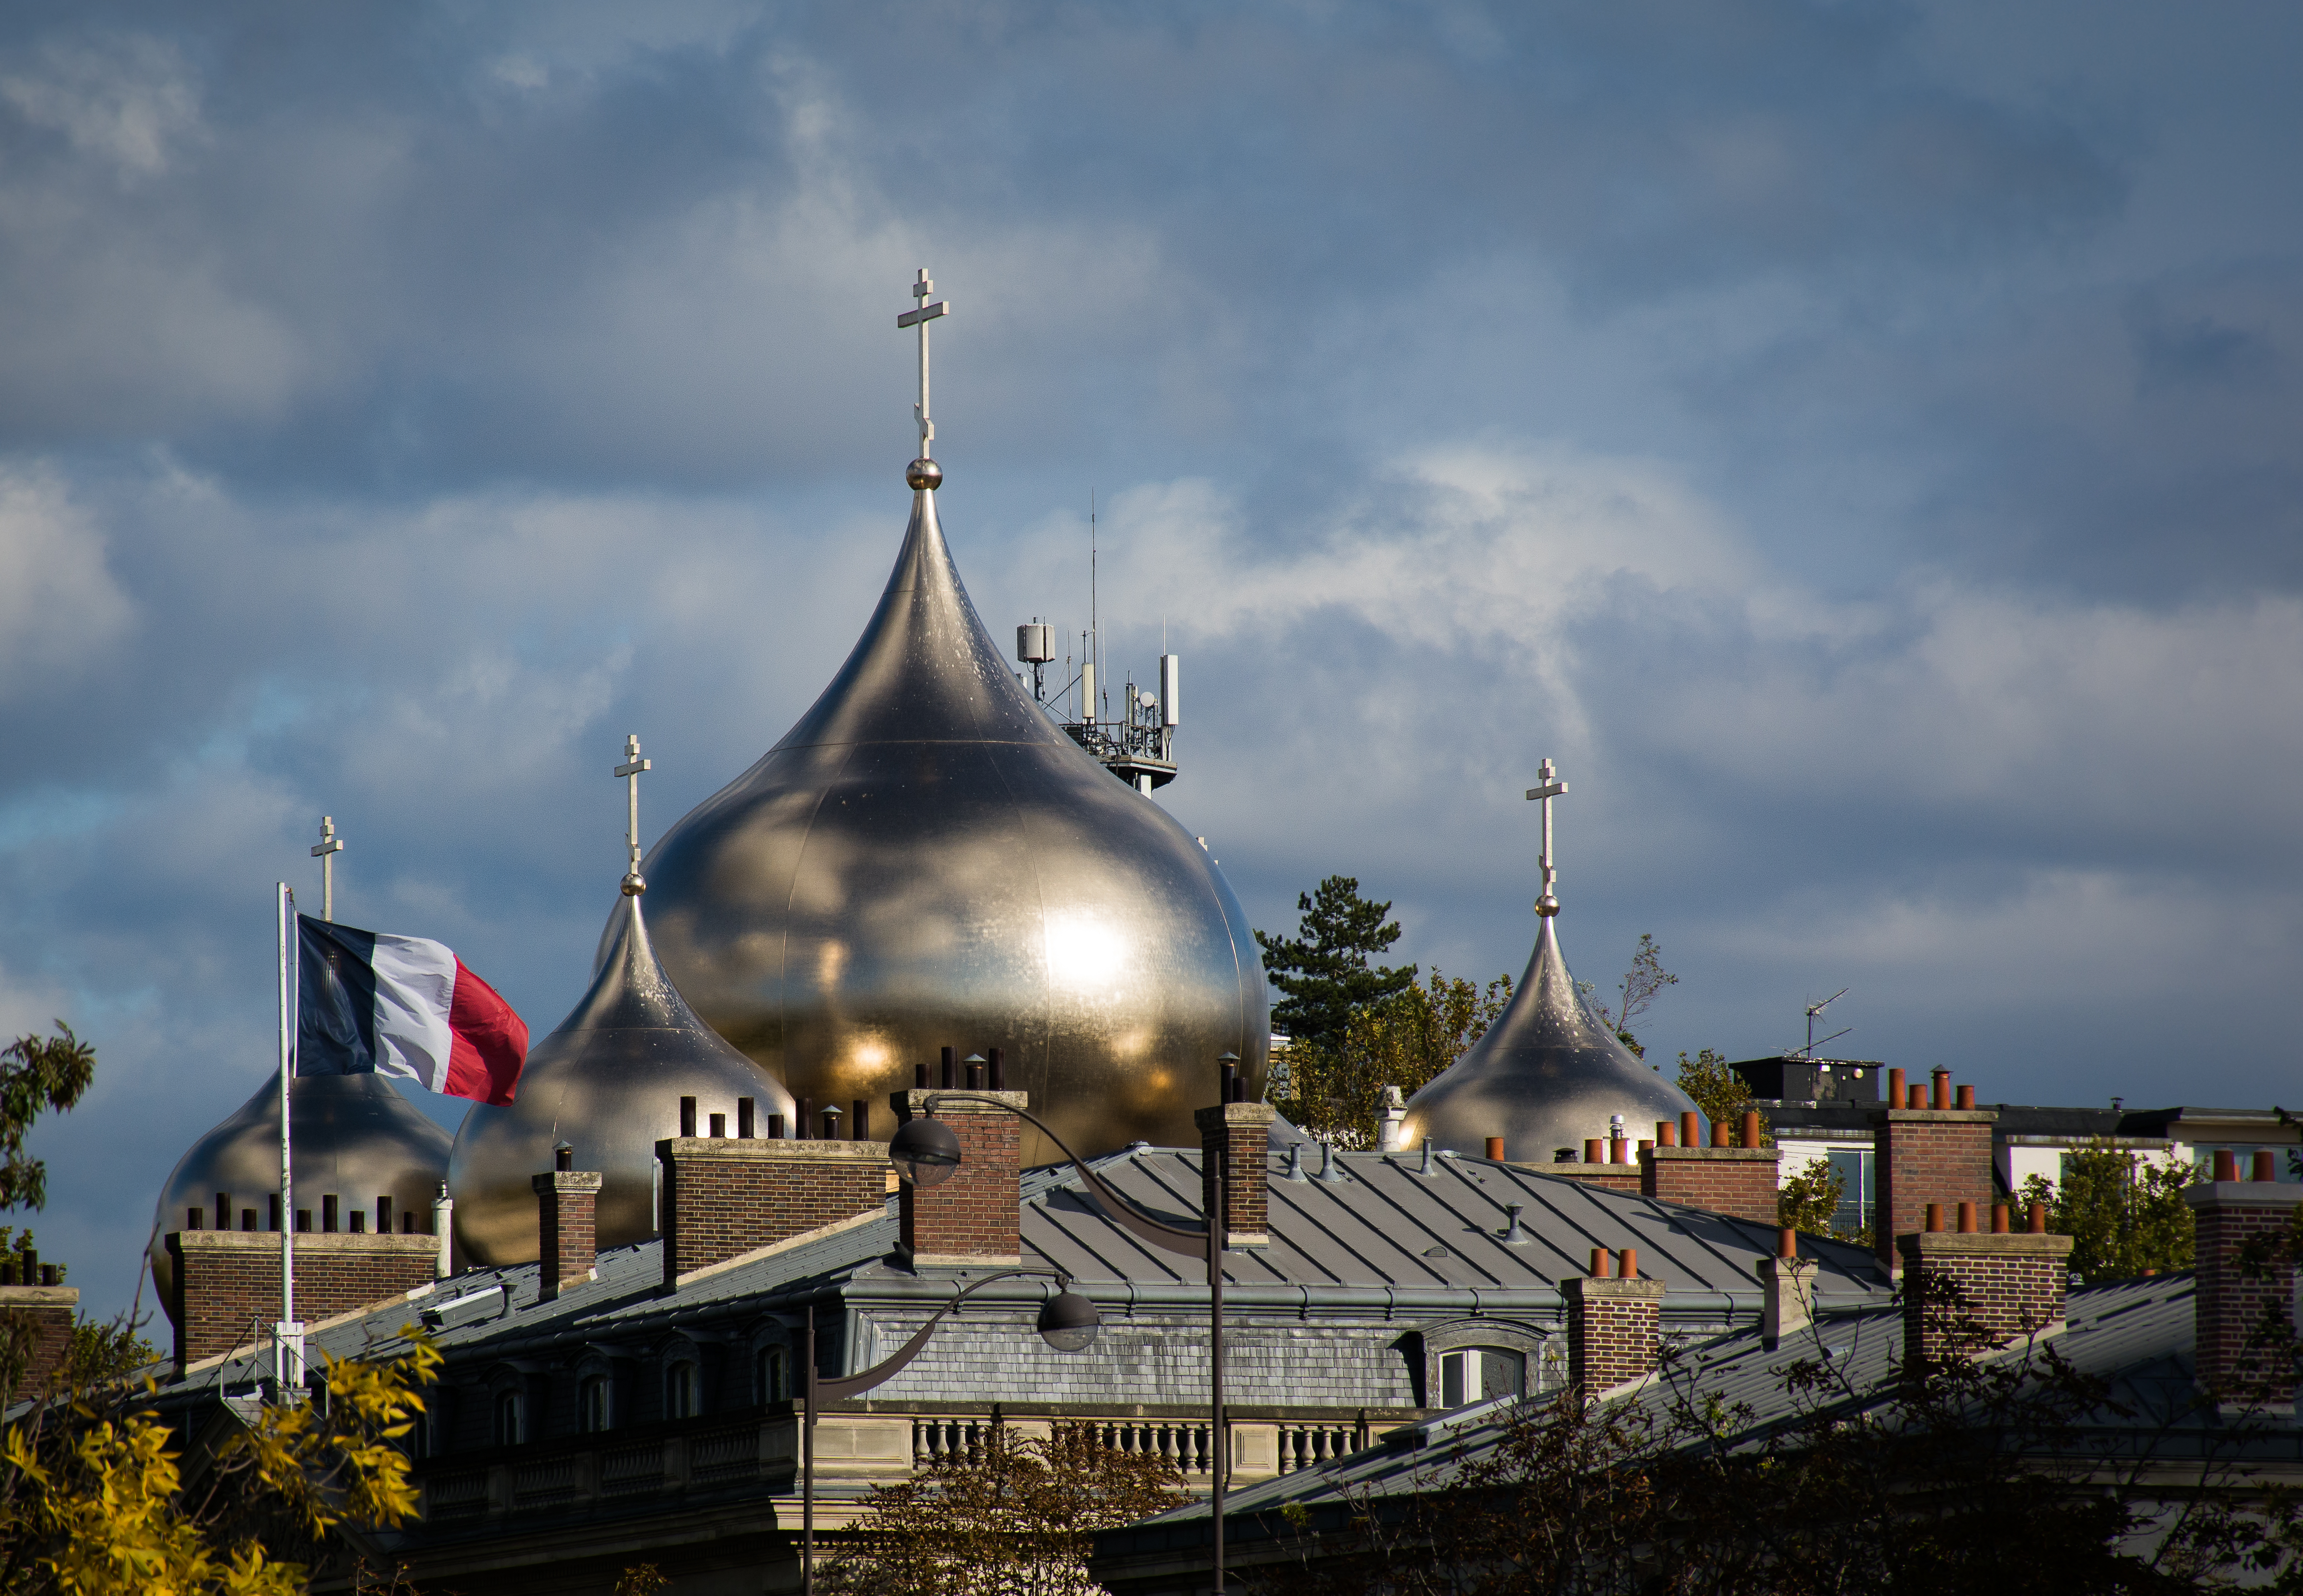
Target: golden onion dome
column 354, row 1137
column 608, row 1081
column 926, row 860
column 1549, row 1074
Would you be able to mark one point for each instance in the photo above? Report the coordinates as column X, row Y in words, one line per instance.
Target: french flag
column 368, row 1003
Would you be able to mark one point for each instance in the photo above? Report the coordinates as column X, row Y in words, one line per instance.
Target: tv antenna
column 1815, row 1009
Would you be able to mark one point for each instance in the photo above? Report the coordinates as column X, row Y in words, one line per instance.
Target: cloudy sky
column 1861, row 443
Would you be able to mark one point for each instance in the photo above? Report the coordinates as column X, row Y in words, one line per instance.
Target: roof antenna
column 1093, row 626
column 1815, row 1009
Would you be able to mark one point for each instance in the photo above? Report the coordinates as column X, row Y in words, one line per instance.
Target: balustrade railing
column 596, row 1467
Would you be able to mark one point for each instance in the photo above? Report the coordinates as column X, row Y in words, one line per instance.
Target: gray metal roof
column 1381, row 1223
column 1378, row 1234
column 2136, row 1333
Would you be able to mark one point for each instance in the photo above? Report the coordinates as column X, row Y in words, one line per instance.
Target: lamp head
column 1068, row 1322
column 925, row 1152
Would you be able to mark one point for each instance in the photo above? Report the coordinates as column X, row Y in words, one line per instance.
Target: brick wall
column 1236, row 1137
column 567, row 1231
column 1966, row 1291
column 44, row 1314
column 2229, row 1310
column 974, row 1216
column 1737, row 1181
column 1929, row 1155
column 227, row 1281
column 1614, row 1177
column 725, row 1195
column 1615, row 1331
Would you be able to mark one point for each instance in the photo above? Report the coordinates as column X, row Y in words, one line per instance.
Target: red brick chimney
column 1237, row 1138
column 1615, row 1322
column 1969, row 1290
column 973, row 1217
column 566, row 1233
column 47, row 1312
column 1934, row 1154
column 227, row 1281
column 2241, row 1325
column 1735, row 1176
column 725, row 1197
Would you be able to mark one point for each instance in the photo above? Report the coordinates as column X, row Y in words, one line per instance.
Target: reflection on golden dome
column 925, row 861
column 609, row 1082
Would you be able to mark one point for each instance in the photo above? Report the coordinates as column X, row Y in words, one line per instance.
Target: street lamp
column 925, row 1153
column 1068, row 1323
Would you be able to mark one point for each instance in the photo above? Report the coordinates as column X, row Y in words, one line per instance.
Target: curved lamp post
column 925, row 1153
column 1068, row 1323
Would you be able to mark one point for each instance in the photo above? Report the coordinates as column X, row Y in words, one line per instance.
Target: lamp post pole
column 1067, row 1323
column 1221, row 1435
column 931, row 1159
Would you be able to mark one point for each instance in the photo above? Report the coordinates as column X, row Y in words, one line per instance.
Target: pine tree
column 1324, row 970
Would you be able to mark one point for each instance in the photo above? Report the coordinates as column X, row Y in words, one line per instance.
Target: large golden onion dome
column 1548, row 1074
column 926, row 860
column 608, row 1081
column 355, row 1138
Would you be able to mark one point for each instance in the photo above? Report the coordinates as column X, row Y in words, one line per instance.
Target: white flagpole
column 289, row 1335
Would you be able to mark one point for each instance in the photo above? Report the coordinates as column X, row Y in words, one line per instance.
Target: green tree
column 1641, row 984
column 1720, row 1091
column 2124, row 1213
column 1809, row 1200
column 38, row 1075
column 1336, row 1092
column 1323, row 970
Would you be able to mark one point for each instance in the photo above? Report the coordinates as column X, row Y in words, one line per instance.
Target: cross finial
column 330, row 846
column 1548, row 904
column 629, row 772
column 923, row 472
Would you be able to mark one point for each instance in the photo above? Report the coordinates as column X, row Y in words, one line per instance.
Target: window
column 1475, row 1373
column 1853, row 1166
column 769, row 1379
column 511, row 1418
column 680, row 1391
column 592, row 1404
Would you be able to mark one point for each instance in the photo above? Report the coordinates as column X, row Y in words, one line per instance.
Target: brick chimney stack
column 1930, row 1151
column 725, row 1197
column 227, row 1281
column 1735, row 1176
column 567, row 1240
column 1615, row 1322
column 1969, row 1290
column 973, row 1217
column 47, row 1312
column 2234, row 1316
column 1237, row 1138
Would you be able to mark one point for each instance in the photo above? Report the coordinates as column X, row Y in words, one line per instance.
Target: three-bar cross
column 330, row 846
column 926, row 312
column 1548, row 904
column 629, row 771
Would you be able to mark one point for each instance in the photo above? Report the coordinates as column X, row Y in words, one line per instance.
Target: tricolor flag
column 370, row 1003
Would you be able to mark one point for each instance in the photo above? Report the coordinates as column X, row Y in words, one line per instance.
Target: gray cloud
column 1859, row 442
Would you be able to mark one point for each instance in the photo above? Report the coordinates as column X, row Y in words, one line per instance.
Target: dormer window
column 1475, row 1373
column 679, row 1390
column 771, row 1374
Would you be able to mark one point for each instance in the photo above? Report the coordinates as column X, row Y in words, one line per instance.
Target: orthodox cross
column 927, row 311
column 1548, row 904
column 330, row 846
column 629, row 772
